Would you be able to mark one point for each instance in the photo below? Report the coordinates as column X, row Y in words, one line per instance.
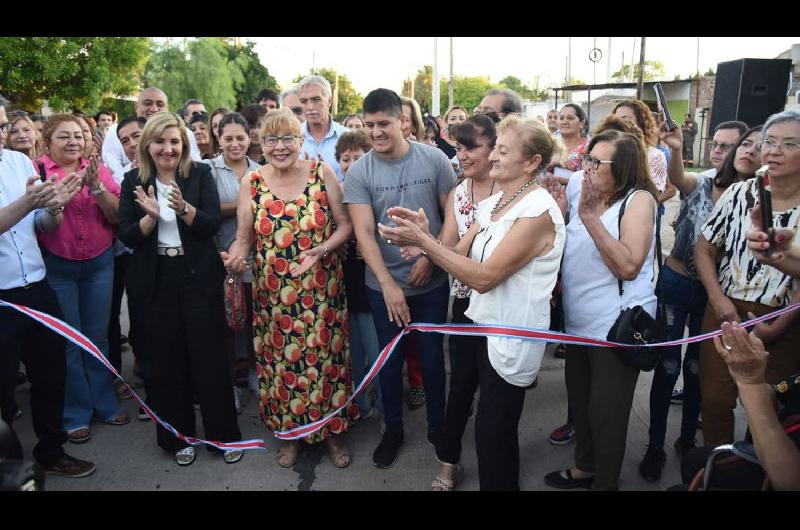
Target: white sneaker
column 252, row 384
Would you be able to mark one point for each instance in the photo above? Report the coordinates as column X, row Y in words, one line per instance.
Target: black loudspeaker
column 750, row 90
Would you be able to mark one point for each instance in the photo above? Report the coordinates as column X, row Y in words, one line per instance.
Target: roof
column 602, row 86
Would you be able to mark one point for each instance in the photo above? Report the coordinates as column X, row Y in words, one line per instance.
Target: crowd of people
column 274, row 252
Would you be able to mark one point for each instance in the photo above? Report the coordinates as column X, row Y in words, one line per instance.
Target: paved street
column 128, row 458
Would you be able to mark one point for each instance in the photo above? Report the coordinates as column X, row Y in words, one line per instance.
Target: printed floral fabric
column 300, row 325
column 573, row 160
column 465, row 217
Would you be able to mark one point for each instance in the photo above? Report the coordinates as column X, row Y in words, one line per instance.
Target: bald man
column 150, row 101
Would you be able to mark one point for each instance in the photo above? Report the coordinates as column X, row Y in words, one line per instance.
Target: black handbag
column 635, row 326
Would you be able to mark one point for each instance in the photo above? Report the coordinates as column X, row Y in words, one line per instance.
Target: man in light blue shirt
column 319, row 130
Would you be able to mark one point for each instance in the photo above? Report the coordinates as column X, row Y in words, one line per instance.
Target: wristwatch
column 185, row 209
column 97, row 191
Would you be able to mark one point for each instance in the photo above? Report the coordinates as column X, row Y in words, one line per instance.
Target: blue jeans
column 431, row 308
column 682, row 299
column 84, row 290
column 363, row 352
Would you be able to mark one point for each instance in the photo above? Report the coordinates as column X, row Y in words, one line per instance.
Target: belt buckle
column 172, row 252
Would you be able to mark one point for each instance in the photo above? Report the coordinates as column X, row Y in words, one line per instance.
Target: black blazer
column 201, row 254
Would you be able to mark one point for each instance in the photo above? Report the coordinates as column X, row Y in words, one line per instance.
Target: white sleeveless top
column 523, row 299
column 590, row 292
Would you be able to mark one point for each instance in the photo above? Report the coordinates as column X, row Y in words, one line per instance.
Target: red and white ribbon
column 476, row 330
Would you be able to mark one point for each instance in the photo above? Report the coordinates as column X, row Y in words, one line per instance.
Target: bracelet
column 325, row 246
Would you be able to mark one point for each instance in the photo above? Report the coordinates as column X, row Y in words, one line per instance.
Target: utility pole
column 435, row 79
column 336, row 95
column 633, row 58
column 452, row 82
column 608, row 62
column 697, row 69
column 640, row 84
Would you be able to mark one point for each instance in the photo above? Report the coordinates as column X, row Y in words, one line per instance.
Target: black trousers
column 496, row 428
column 185, row 326
column 464, row 353
column 114, row 328
column 42, row 351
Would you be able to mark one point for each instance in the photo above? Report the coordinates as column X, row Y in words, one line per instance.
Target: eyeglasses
column 786, row 147
column 288, row 140
column 5, row 127
column 723, row 147
column 589, row 162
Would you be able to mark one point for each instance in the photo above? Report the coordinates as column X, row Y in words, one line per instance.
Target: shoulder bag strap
column 619, row 230
column 42, row 172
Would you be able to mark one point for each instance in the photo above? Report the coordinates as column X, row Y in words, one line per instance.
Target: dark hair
column 580, row 114
column 233, row 117
column 357, row 139
column 203, row 117
column 727, row 173
column 430, row 123
column 467, row 132
column 107, row 113
column 740, row 125
column 268, row 93
column 37, row 117
column 185, row 109
column 253, row 113
column 383, row 100
column 130, row 119
column 356, row 116
column 512, row 103
column 630, row 167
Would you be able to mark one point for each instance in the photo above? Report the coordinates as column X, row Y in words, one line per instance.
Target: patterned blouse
column 466, row 213
column 741, row 276
column 573, row 160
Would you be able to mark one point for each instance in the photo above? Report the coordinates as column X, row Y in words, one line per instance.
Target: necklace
column 472, row 199
column 500, row 205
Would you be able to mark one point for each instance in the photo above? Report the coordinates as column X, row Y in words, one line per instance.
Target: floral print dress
column 300, row 325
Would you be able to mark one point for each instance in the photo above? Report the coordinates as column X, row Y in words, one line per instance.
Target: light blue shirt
column 326, row 149
column 21, row 260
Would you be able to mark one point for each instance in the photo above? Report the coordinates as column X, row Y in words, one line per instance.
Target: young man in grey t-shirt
column 397, row 172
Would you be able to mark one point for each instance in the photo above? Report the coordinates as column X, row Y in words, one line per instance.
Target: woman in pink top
column 80, row 269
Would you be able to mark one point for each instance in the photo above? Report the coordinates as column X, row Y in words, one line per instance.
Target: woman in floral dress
column 292, row 209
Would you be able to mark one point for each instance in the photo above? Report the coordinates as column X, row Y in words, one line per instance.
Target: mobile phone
column 661, row 101
column 765, row 200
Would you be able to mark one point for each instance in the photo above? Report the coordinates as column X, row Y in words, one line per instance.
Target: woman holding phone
column 740, row 284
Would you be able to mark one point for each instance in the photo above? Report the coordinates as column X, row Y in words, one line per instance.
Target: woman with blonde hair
column 292, row 210
column 169, row 215
column 23, row 136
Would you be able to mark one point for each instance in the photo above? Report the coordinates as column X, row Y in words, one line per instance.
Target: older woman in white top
column 601, row 250
column 510, row 258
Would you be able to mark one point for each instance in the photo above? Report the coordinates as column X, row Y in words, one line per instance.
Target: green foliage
column 525, row 91
column 710, row 73
column 652, row 70
column 349, row 101
column 70, row 72
column 254, row 75
column 467, row 91
column 218, row 71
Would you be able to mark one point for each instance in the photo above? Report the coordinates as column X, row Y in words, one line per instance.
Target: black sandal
column 565, row 481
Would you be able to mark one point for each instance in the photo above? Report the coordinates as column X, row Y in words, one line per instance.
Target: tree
column 516, row 84
column 652, row 70
column 194, row 69
column 350, row 101
column 70, row 72
column 467, row 91
column 254, row 75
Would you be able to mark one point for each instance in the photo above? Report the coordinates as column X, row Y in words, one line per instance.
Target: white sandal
column 447, row 478
column 186, row 456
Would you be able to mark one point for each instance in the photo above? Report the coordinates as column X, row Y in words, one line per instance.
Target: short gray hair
column 317, row 80
column 512, row 103
column 293, row 90
column 780, row 117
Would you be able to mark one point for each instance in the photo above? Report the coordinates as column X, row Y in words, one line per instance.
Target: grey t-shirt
column 695, row 210
column 414, row 181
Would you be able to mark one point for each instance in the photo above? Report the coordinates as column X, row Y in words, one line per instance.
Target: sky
column 373, row 62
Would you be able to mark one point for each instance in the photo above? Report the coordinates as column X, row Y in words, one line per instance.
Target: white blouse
column 523, row 299
column 168, row 235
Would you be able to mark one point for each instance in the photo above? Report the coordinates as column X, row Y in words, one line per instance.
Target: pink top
column 84, row 233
